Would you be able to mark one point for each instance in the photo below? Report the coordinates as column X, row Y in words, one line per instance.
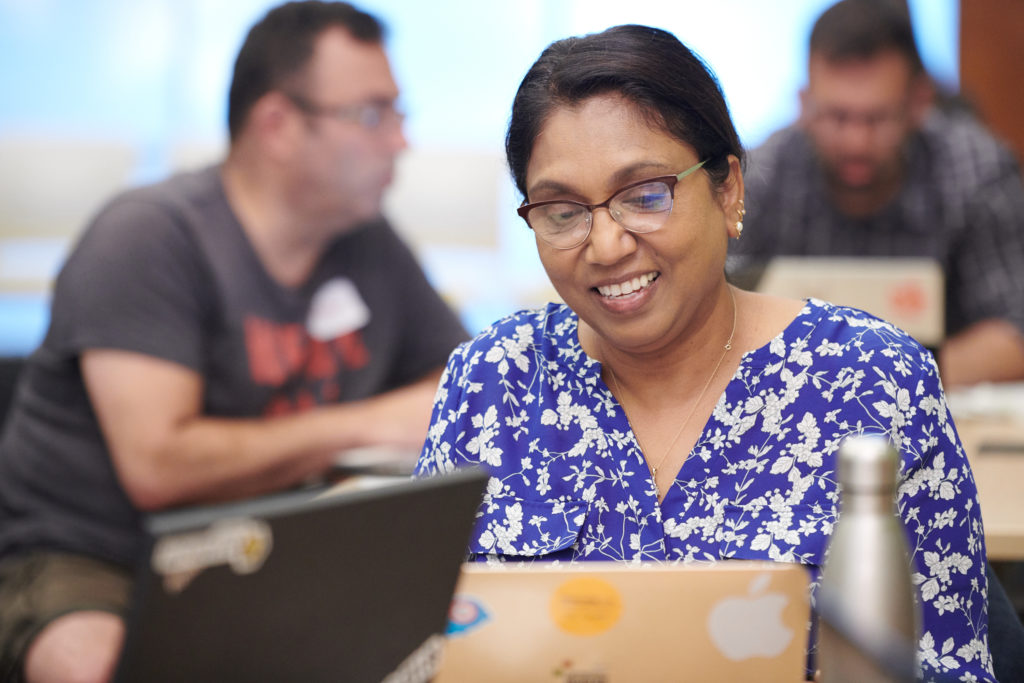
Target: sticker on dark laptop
column 241, row 543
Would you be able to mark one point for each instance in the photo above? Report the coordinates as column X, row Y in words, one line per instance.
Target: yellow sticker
column 586, row 606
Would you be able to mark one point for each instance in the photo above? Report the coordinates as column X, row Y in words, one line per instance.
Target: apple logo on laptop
column 750, row 626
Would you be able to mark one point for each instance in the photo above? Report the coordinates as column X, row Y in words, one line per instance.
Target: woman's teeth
column 628, row 287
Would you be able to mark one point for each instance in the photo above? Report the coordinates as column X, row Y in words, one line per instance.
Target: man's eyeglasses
column 879, row 121
column 641, row 207
column 369, row 115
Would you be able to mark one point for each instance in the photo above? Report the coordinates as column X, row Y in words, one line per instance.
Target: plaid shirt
column 962, row 203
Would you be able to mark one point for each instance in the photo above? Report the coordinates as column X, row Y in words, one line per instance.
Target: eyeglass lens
column 640, row 208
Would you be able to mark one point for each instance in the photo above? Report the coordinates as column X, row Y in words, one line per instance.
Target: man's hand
column 990, row 350
column 399, row 418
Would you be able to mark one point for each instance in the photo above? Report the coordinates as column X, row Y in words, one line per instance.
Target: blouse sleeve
column 438, row 455
column 938, row 503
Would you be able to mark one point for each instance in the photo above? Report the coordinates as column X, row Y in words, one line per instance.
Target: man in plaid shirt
column 875, row 167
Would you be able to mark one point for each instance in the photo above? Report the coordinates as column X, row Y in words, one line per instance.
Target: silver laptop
column 303, row 586
column 609, row 622
column 907, row 292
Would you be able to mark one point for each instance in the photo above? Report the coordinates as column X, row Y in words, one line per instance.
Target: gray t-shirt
column 167, row 271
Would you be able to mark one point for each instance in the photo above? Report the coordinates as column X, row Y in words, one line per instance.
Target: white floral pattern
column 569, row 483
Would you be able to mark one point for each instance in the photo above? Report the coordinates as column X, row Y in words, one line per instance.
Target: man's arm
column 986, row 301
column 167, row 453
column 989, row 350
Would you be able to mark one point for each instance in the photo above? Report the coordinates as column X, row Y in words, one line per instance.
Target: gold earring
column 739, row 224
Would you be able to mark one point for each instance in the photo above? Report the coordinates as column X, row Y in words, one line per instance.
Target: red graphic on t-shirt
column 306, row 370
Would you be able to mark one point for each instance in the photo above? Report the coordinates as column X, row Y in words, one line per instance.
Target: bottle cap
column 868, row 463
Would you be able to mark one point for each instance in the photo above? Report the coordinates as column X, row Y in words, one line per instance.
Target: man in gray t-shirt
column 221, row 334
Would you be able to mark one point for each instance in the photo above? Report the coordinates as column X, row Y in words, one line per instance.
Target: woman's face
column 586, row 153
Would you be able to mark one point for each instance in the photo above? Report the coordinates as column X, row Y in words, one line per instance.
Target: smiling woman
column 658, row 414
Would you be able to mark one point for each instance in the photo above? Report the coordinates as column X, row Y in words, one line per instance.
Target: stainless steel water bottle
column 868, row 619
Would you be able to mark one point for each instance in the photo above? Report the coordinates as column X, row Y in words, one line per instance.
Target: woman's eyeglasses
column 641, row 207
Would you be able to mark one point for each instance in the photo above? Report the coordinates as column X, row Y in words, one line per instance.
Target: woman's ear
column 731, row 197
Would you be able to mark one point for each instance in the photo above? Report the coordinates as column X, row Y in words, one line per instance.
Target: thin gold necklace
column 654, row 468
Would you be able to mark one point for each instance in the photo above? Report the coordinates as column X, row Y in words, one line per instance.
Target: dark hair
column 280, row 45
column 861, row 29
column 670, row 86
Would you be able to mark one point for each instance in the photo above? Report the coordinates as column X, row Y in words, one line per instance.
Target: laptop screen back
column 301, row 587
column 606, row 622
column 907, row 292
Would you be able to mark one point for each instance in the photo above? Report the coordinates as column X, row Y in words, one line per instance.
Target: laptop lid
column 607, row 622
column 907, row 292
column 302, row 586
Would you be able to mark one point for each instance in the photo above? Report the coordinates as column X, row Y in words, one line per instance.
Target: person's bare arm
column 166, row 452
column 988, row 351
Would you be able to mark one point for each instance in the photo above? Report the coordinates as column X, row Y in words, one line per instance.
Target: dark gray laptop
column 303, row 586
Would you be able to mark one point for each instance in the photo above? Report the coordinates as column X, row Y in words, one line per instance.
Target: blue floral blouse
column 569, row 482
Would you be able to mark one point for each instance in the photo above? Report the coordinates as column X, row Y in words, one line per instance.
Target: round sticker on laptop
column 585, row 606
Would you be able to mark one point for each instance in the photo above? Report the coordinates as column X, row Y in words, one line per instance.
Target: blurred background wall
column 99, row 95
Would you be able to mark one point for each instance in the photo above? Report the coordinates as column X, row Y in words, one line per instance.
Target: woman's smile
column 627, row 295
column 627, row 287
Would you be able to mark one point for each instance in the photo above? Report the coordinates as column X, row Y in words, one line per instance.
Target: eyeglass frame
column 881, row 121
column 669, row 180
column 369, row 115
